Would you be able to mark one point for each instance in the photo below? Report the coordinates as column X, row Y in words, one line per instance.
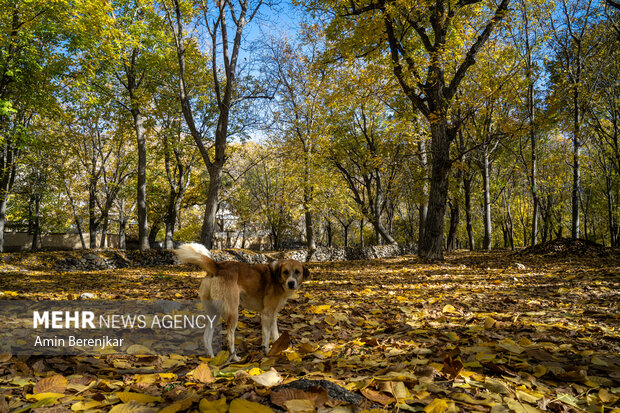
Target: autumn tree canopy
column 430, row 124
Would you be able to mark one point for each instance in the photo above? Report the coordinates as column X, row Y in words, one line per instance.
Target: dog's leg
column 230, row 312
column 212, row 311
column 274, row 328
column 267, row 320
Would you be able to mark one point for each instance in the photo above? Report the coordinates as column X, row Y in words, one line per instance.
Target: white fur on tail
column 192, row 253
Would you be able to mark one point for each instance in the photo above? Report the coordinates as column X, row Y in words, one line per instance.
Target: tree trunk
column 454, row 223
column 576, row 192
column 382, row 232
column 152, row 238
column 529, row 68
column 329, row 230
column 174, row 204
column 362, row 244
column 105, row 220
column 78, row 221
column 208, row 224
column 576, row 189
column 122, row 225
column 168, row 241
column 486, row 243
column 310, row 241
column 36, row 228
column 423, row 206
column 143, row 226
column 92, row 221
column 3, row 200
column 7, row 177
column 610, row 211
column 471, row 243
column 432, row 241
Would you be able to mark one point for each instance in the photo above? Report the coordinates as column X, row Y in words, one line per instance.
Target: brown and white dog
column 257, row 287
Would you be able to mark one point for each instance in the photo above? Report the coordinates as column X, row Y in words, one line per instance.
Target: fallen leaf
column 246, row 406
column 203, row 374
column 268, row 379
column 137, row 397
column 299, row 406
column 280, row 344
column 53, row 384
column 215, row 406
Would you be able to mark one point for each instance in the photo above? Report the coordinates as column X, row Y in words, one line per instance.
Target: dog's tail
column 195, row 253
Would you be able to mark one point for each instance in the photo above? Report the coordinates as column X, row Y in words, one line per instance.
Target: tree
column 225, row 47
column 528, row 35
column 30, row 57
column 570, row 30
column 429, row 83
column 367, row 144
column 297, row 115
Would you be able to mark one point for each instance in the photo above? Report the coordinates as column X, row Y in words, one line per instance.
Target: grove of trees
column 437, row 124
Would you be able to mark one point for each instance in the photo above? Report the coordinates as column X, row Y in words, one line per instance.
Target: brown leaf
column 203, row 374
column 54, row 384
column 452, row 367
column 318, row 395
column 378, row 397
column 4, row 406
column 280, row 344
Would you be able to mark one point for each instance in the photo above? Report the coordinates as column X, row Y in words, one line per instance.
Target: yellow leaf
column 215, row 406
column 167, row 376
column 489, row 323
column 46, row 395
column 484, row 357
column 331, row 320
column 606, row 397
column 319, row 309
column 203, row 374
column 85, row 405
column 299, row 406
column 131, row 407
column 246, row 406
column 463, row 397
column 254, row 371
column 529, row 396
column 307, row 348
column 508, row 344
column 539, row 371
column 139, row 349
column 292, row 356
column 437, row 366
column 146, row 378
column 127, row 396
column 220, row 358
column 449, row 308
column 437, row 406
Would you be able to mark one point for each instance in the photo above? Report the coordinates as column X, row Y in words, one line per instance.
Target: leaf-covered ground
column 480, row 332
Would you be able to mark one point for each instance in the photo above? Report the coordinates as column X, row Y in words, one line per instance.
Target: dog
column 257, row 287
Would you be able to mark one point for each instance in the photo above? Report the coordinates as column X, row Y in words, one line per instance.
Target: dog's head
column 290, row 273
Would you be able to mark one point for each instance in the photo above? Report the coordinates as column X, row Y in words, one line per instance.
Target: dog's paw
column 233, row 358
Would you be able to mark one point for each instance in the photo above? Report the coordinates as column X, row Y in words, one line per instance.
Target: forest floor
column 492, row 332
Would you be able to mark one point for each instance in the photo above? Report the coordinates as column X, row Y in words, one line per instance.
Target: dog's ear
column 275, row 267
column 306, row 273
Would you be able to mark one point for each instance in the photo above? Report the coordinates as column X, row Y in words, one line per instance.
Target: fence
column 20, row 241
